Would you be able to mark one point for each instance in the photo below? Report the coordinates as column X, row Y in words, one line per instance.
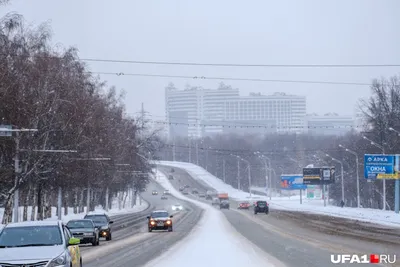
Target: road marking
column 316, row 243
column 101, row 251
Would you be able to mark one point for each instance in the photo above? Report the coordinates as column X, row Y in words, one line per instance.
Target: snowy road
column 301, row 239
column 133, row 245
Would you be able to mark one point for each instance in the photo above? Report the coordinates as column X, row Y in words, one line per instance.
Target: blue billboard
column 378, row 166
column 292, row 182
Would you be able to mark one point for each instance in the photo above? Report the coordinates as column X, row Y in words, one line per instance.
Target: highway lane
column 135, row 246
column 302, row 239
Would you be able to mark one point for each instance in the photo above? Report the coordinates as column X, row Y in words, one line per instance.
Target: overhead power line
column 148, row 62
column 241, row 65
column 228, row 78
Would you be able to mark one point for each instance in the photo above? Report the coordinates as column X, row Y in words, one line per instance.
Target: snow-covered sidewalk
column 292, row 203
column 214, row 240
column 115, row 210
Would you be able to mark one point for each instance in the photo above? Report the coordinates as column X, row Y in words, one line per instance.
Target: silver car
column 39, row 244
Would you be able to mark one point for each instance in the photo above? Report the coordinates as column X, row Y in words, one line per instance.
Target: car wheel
column 94, row 243
column 170, row 229
column 108, row 238
column 80, row 263
column 98, row 241
column 255, row 212
column 150, row 230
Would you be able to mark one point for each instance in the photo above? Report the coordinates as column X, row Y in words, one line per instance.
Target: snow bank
column 293, row 203
column 215, row 241
column 71, row 216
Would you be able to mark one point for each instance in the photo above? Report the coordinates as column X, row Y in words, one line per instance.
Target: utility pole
column 190, row 150
column 143, row 114
column 249, row 176
column 173, row 149
column 238, row 173
column 16, row 170
column 223, row 170
column 197, row 153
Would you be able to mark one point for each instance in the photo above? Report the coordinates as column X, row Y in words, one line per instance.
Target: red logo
column 374, row 258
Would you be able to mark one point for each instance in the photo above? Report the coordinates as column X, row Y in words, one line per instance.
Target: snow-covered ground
column 292, row 203
column 115, row 210
column 215, row 242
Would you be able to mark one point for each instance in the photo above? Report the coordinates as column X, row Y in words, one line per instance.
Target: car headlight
column 152, row 222
column 60, row 260
column 168, row 222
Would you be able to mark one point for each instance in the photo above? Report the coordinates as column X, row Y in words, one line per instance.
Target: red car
column 244, row 205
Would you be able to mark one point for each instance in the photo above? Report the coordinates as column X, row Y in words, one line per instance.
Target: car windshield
column 97, row 219
column 262, row 203
column 79, row 224
column 30, row 236
column 159, row 214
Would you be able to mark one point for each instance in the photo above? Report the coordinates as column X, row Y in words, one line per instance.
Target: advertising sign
column 314, row 192
column 317, row 176
column 377, row 166
column 292, row 182
column 311, row 176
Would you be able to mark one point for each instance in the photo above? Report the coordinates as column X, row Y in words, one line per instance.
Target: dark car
column 202, row 195
column 261, row 207
column 194, row 191
column 185, row 192
column 170, row 177
column 154, row 192
column 181, row 188
column 160, row 220
column 103, row 223
column 164, row 196
column 85, row 231
column 224, row 204
column 187, row 186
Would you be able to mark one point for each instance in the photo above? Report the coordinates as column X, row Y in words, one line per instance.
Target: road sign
column 292, row 182
column 377, row 166
column 5, row 133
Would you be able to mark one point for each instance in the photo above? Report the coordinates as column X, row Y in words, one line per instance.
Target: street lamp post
column 396, row 184
column 341, row 173
column 358, row 176
column 248, row 172
column 383, row 180
column 268, row 172
column 269, row 175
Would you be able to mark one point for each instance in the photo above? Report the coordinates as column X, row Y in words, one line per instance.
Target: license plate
column 160, row 224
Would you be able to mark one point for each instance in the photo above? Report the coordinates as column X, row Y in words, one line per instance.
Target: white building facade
column 330, row 124
column 187, row 111
column 268, row 113
column 197, row 112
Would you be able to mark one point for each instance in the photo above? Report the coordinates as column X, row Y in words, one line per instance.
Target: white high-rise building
column 267, row 113
column 196, row 112
column 189, row 110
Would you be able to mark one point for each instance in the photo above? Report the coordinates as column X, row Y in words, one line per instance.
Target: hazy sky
column 245, row 32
